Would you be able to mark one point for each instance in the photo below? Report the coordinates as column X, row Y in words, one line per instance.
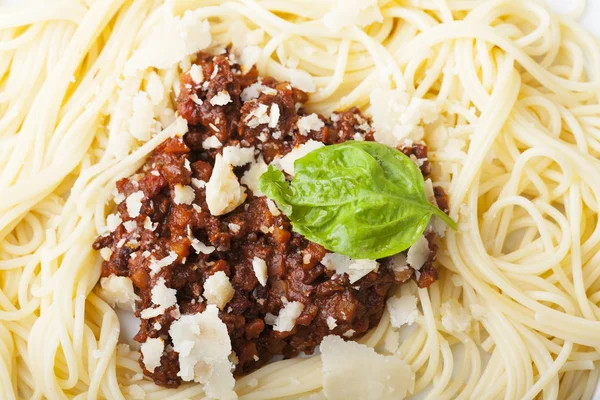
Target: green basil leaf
column 360, row 199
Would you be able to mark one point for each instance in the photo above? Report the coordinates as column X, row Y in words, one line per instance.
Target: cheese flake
column 379, row 377
column 238, row 156
column 287, row 161
column 170, row 41
column 454, row 316
column 251, row 177
column 183, row 194
column 273, row 208
column 398, row 117
column 331, row 323
column 112, row 222
column 118, row 292
column 220, row 99
column 355, row 269
column 260, row 270
column 254, row 90
column 418, row 253
column 403, row 310
column 310, row 123
column 223, row 191
column 218, row 289
column 212, row 142
column 142, row 123
column 204, row 346
column 157, row 265
column 196, row 74
column 286, row 320
column 152, row 350
column 134, row 203
column 163, row 296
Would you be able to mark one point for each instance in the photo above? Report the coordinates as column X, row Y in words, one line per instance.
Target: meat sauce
column 251, row 230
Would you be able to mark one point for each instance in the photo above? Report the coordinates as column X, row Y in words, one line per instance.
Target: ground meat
column 164, row 228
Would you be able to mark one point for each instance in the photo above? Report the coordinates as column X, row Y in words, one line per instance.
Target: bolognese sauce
column 166, row 217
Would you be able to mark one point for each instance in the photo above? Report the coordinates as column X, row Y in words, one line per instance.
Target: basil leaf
column 364, row 200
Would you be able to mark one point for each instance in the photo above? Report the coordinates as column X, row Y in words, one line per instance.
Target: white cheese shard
column 178, row 127
column 355, row 269
column 198, row 184
column 302, row 80
column 398, row 263
column 149, row 225
column 220, row 99
column 152, row 350
column 155, row 88
column 273, row 209
column 170, row 41
column 201, row 248
column 310, row 123
column 251, row 177
column 258, row 116
column 118, row 292
column 249, row 57
column 378, row 377
column 403, row 310
column 274, row 115
column 183, row 194
column 331, row 323
column 418, row 253
column 235, row 228
column 254, row 90
column 398, row 118
column 238, row 156
column 130, row 226
column 142, row 124
column 163, row 296
column 345, row 13
column 260, row 270
column 223, row 191
column 134, row 203
column 287, row 161
column 218, row 289
column 157, row 265
column 196, row 74
column 454, row 316
column 212, row 142
column 204, row 347
column 112, row 222
column 106, row 253
column 287, row 317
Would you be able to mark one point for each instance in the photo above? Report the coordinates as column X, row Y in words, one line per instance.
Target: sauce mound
column 248, row 260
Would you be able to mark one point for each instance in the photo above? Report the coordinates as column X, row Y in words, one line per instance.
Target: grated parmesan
column 287, row 317
column 204, row 346
column 183, row 194
column 310, row 123
column 134, row 203
column 287, row 162
column 152, row 350
column 218, row 289
column 223, row 191
column 379, row 377
column 260, row 270
column 403, row 310
column 355, row 269
column 418, row 253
